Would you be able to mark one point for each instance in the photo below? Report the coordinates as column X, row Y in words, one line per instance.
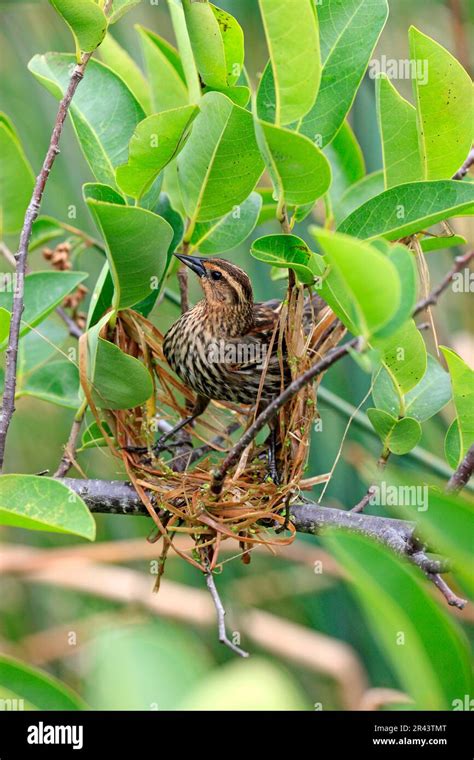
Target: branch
column 220, row 617
column 8, row 403
column 461, row 173
column 462, row 475
column 460, row 262
column 119, row 497
column 274, row 407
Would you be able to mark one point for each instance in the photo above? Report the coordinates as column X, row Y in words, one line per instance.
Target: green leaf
column 220, row 164
column 404, row 261
column 155, row 142
column 38, row 689
column 299, row 171
column 119, row 8
column 462, row 379
column 432, row 665
column 399, row 436
column 39, row 503
column 370, row 278
column 40, row 345
column 117, row 380
column 360, row 192
column 104, row 112
column 445, row 107
column 349, row 31
column 137, row 242
column 16, row 179
column 217, row 42
column 117, row 59
column 93, row 436
column 45, row 228
column 405, row 209
column 85, row 19
column 291, row 30
column 404, row 356
column 346, row 160
column 423, row 401
column 399, row 135
column 56, row 382
column 440, row 243
column 452, row 445
column 229, row 231
column 240, row 95
column 102, row 296
column 164, row 70
column 287, row 252
column 43, row 292
column 5, row 319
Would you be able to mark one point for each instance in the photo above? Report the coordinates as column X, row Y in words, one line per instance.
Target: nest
column 176, row 487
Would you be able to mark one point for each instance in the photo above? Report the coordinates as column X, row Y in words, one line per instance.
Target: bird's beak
column 194, row 263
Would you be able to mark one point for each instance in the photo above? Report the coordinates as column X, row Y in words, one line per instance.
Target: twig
column 8, row 403
column 460, row 262
column 273, row 408
column 452, row 599
column 462, row 475
column 361, row 505
column 223, row 638
column 73, row 328
column 67, row 458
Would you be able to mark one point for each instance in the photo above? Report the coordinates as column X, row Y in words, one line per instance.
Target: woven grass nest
column 176, row 486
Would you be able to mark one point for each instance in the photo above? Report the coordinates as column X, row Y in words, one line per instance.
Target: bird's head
column 223, row 283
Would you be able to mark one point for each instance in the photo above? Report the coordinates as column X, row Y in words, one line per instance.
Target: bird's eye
column 215, row 275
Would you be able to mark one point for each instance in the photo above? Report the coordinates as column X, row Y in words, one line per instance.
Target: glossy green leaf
column 40, row 503
column 38, row 689
column 299, row 171
column 356, row 195
column 119, row 8
column 155, row 142
column 409, row 208
column 398, row 436
column 117, row 59
column 5, row 319
column 137, row 243
column 164, row 71
column 45, row 228
column 16, row 179
column 117, row 380
column 424, row 400
column 85, row 19
column 445, row 107
column 217, row 42
column 429, row 244
column 56, row 382
column 104, row 139
column 371, row 280
column 404, row 356
column 229, row 231
column 240, row 95
column 291, row 30
column 45, row 342
column 349, row 31
column 43, row 292
column 346, row 160
column 404, row 261
column 432, row 665
column 462, row 379
column 399, row 135
column 93, row 436
column 287, row 252
column 220, row 164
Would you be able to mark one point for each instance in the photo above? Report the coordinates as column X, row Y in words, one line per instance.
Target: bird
column 219, row 348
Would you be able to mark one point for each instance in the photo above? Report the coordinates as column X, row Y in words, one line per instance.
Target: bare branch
column 223, row 638
column 461, row 173
column 8, row 403
column 460, row 262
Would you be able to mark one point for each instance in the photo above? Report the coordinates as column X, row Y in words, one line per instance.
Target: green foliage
column 117, row 59
column 86, row 21
column 397, row 436
column 398, row 131
column 228, row 231
column 39, row 503
column 397, row 604
column 423, row 401
column 462, row 379
column 287, row 252
column 39, row 690
column 16, row 179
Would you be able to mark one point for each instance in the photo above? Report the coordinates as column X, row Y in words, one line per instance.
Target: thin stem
column 8, row 403
column 223, row 638
column 460, row 262
column 462, row 475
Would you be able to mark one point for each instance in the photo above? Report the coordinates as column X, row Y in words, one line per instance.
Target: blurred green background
column 124, row 655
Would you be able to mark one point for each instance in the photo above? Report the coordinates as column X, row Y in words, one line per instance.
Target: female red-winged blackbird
column 219, row 347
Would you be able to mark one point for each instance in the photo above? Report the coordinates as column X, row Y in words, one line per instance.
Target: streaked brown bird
column 219, row 347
